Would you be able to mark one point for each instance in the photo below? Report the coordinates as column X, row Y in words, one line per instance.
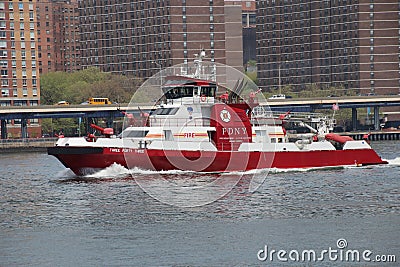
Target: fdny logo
column 225, row 115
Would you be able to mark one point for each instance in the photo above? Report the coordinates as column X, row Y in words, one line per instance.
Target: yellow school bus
column 99, row 101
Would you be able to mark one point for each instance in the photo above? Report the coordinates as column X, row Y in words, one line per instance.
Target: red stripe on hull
column 220, row 161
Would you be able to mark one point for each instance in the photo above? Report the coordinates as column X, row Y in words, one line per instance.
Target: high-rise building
column 18, row 61
column 349, row 44
column 35, row 37
column 138, row 38
column 249, row 30
column 58, row 35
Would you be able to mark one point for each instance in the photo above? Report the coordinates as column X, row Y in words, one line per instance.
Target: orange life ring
column 203, row 98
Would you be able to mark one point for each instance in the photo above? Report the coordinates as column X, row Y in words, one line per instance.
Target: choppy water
column 48, row 217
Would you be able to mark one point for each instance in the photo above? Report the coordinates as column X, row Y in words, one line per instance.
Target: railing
column 179, row 122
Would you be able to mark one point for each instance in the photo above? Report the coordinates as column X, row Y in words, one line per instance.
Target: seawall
column 26, row 145
column 374, row 135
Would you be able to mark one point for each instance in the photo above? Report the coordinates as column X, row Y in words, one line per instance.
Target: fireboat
column 195, row 128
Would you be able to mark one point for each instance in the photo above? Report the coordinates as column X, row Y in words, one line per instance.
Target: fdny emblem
column 225, row 115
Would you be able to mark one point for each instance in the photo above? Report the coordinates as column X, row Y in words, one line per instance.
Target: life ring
column 203, row 98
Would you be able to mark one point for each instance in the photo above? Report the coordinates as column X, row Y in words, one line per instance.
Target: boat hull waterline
column 86, row 160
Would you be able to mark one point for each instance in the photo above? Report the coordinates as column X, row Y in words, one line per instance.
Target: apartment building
column 348, row 44
column 249, row 30
column 18, row 61
column 139, row 38
column 58, row 35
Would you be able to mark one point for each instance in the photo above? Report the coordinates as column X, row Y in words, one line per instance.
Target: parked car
column 280, row 96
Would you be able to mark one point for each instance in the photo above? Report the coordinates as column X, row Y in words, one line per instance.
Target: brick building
column 138, row 38
column 349, row 44
column 249, row 30
column 35, row 37
column 19, row 62
column 58, row 35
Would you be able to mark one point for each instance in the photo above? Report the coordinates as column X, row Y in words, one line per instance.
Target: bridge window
column 178, row 92
column 208, row 91
column 165, row 111
column 133, row 134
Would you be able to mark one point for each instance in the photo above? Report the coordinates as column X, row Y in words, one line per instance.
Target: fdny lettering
column 234, row 131
column 189, row 135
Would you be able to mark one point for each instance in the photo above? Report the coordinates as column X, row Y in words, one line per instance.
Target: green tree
column 78, row 86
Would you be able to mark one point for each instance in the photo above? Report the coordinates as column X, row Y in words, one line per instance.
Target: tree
column 78, row 86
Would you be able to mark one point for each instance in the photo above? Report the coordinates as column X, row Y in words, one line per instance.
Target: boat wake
column 394, row 162
column 117, row 170
column 113, row 171
column 65, row 173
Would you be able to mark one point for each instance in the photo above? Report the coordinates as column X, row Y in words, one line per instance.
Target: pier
column 374, row 135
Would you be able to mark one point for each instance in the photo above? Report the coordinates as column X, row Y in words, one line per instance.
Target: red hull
column 205, row 161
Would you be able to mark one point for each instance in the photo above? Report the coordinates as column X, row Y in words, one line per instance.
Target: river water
column 48, row 217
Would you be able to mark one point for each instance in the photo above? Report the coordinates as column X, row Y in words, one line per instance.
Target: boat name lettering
column 127, row 150
column 115, row 150
column 234, row 131
column 140, row 151
column 190, row 135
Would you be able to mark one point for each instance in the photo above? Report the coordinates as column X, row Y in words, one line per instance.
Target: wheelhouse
column 181, row 87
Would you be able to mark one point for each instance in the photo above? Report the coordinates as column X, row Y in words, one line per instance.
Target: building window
column 4, row 82
column 4, row 92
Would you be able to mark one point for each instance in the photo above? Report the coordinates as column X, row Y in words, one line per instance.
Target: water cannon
column 105, row 131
